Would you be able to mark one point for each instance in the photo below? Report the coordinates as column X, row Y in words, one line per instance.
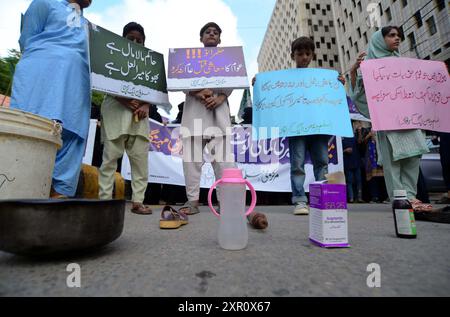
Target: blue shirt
column 52, row 78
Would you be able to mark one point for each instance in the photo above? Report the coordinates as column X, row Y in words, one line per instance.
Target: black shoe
column 440, row 215
column 444, row 201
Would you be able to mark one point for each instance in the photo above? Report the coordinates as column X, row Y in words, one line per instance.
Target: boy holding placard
column 206, row 117
column 302, row 52
column 125, row 127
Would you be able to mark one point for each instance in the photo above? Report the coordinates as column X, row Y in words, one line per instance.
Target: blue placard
column 299, row 102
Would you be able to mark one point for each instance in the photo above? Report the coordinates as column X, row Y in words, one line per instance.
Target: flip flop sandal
column 170, row 218
column 141, row 209
column 419, row 206
column 184, row 219
column 193, row 210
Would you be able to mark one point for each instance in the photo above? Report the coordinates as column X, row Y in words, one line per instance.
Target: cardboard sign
column 123, row 68
column 406, row 93
column 206, row 67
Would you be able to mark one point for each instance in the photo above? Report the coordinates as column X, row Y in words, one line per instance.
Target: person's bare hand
column 341, row 79
column 204, row 94
column 213, row 102
column 359, row 60
column 131, row 104
column 134, row 104
column 143, row 111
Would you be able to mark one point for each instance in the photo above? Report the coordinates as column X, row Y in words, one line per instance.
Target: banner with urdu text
column 265, row 163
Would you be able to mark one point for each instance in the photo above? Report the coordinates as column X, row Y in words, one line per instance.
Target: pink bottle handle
column 209, row 198
column 252, row 205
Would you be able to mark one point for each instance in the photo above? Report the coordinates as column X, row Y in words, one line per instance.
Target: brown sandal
column 419, row 206
column 141, row 209
column 170, row 219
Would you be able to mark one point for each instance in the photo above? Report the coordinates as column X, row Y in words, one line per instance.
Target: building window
column 437, row 52
column 388, row 14
column 412, row 41
column 440, row 4
column 431, row 26
column 418, row 17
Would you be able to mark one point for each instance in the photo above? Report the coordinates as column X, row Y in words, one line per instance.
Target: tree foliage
column 7, row 67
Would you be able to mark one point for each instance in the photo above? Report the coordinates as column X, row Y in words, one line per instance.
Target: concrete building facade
column 341, row 29
column 292, row 19
column 425, row 24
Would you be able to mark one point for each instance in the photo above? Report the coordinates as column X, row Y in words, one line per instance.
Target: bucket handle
column 57, row 128
column 252, row 205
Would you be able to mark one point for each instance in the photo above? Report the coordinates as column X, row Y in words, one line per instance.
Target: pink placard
column 406, row 93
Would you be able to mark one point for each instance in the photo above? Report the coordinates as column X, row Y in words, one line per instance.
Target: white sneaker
column 301, row 209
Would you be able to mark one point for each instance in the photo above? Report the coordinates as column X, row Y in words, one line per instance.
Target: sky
column 167, row 24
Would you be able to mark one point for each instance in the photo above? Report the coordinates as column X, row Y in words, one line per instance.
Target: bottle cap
column 232, row 175
column 400, row 193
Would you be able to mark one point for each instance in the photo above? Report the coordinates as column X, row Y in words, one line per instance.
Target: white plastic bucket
column 28, row 145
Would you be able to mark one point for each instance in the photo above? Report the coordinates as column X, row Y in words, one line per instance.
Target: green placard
column 123, row 68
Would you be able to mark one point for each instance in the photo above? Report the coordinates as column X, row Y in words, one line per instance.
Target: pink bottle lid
column 232, row 175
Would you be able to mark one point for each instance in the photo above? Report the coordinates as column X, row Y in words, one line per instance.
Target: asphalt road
column 280, row 261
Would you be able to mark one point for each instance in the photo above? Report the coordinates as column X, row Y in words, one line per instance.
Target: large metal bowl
column 43, row 227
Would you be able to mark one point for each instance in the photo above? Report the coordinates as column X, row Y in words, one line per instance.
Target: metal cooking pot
column 42, row 227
